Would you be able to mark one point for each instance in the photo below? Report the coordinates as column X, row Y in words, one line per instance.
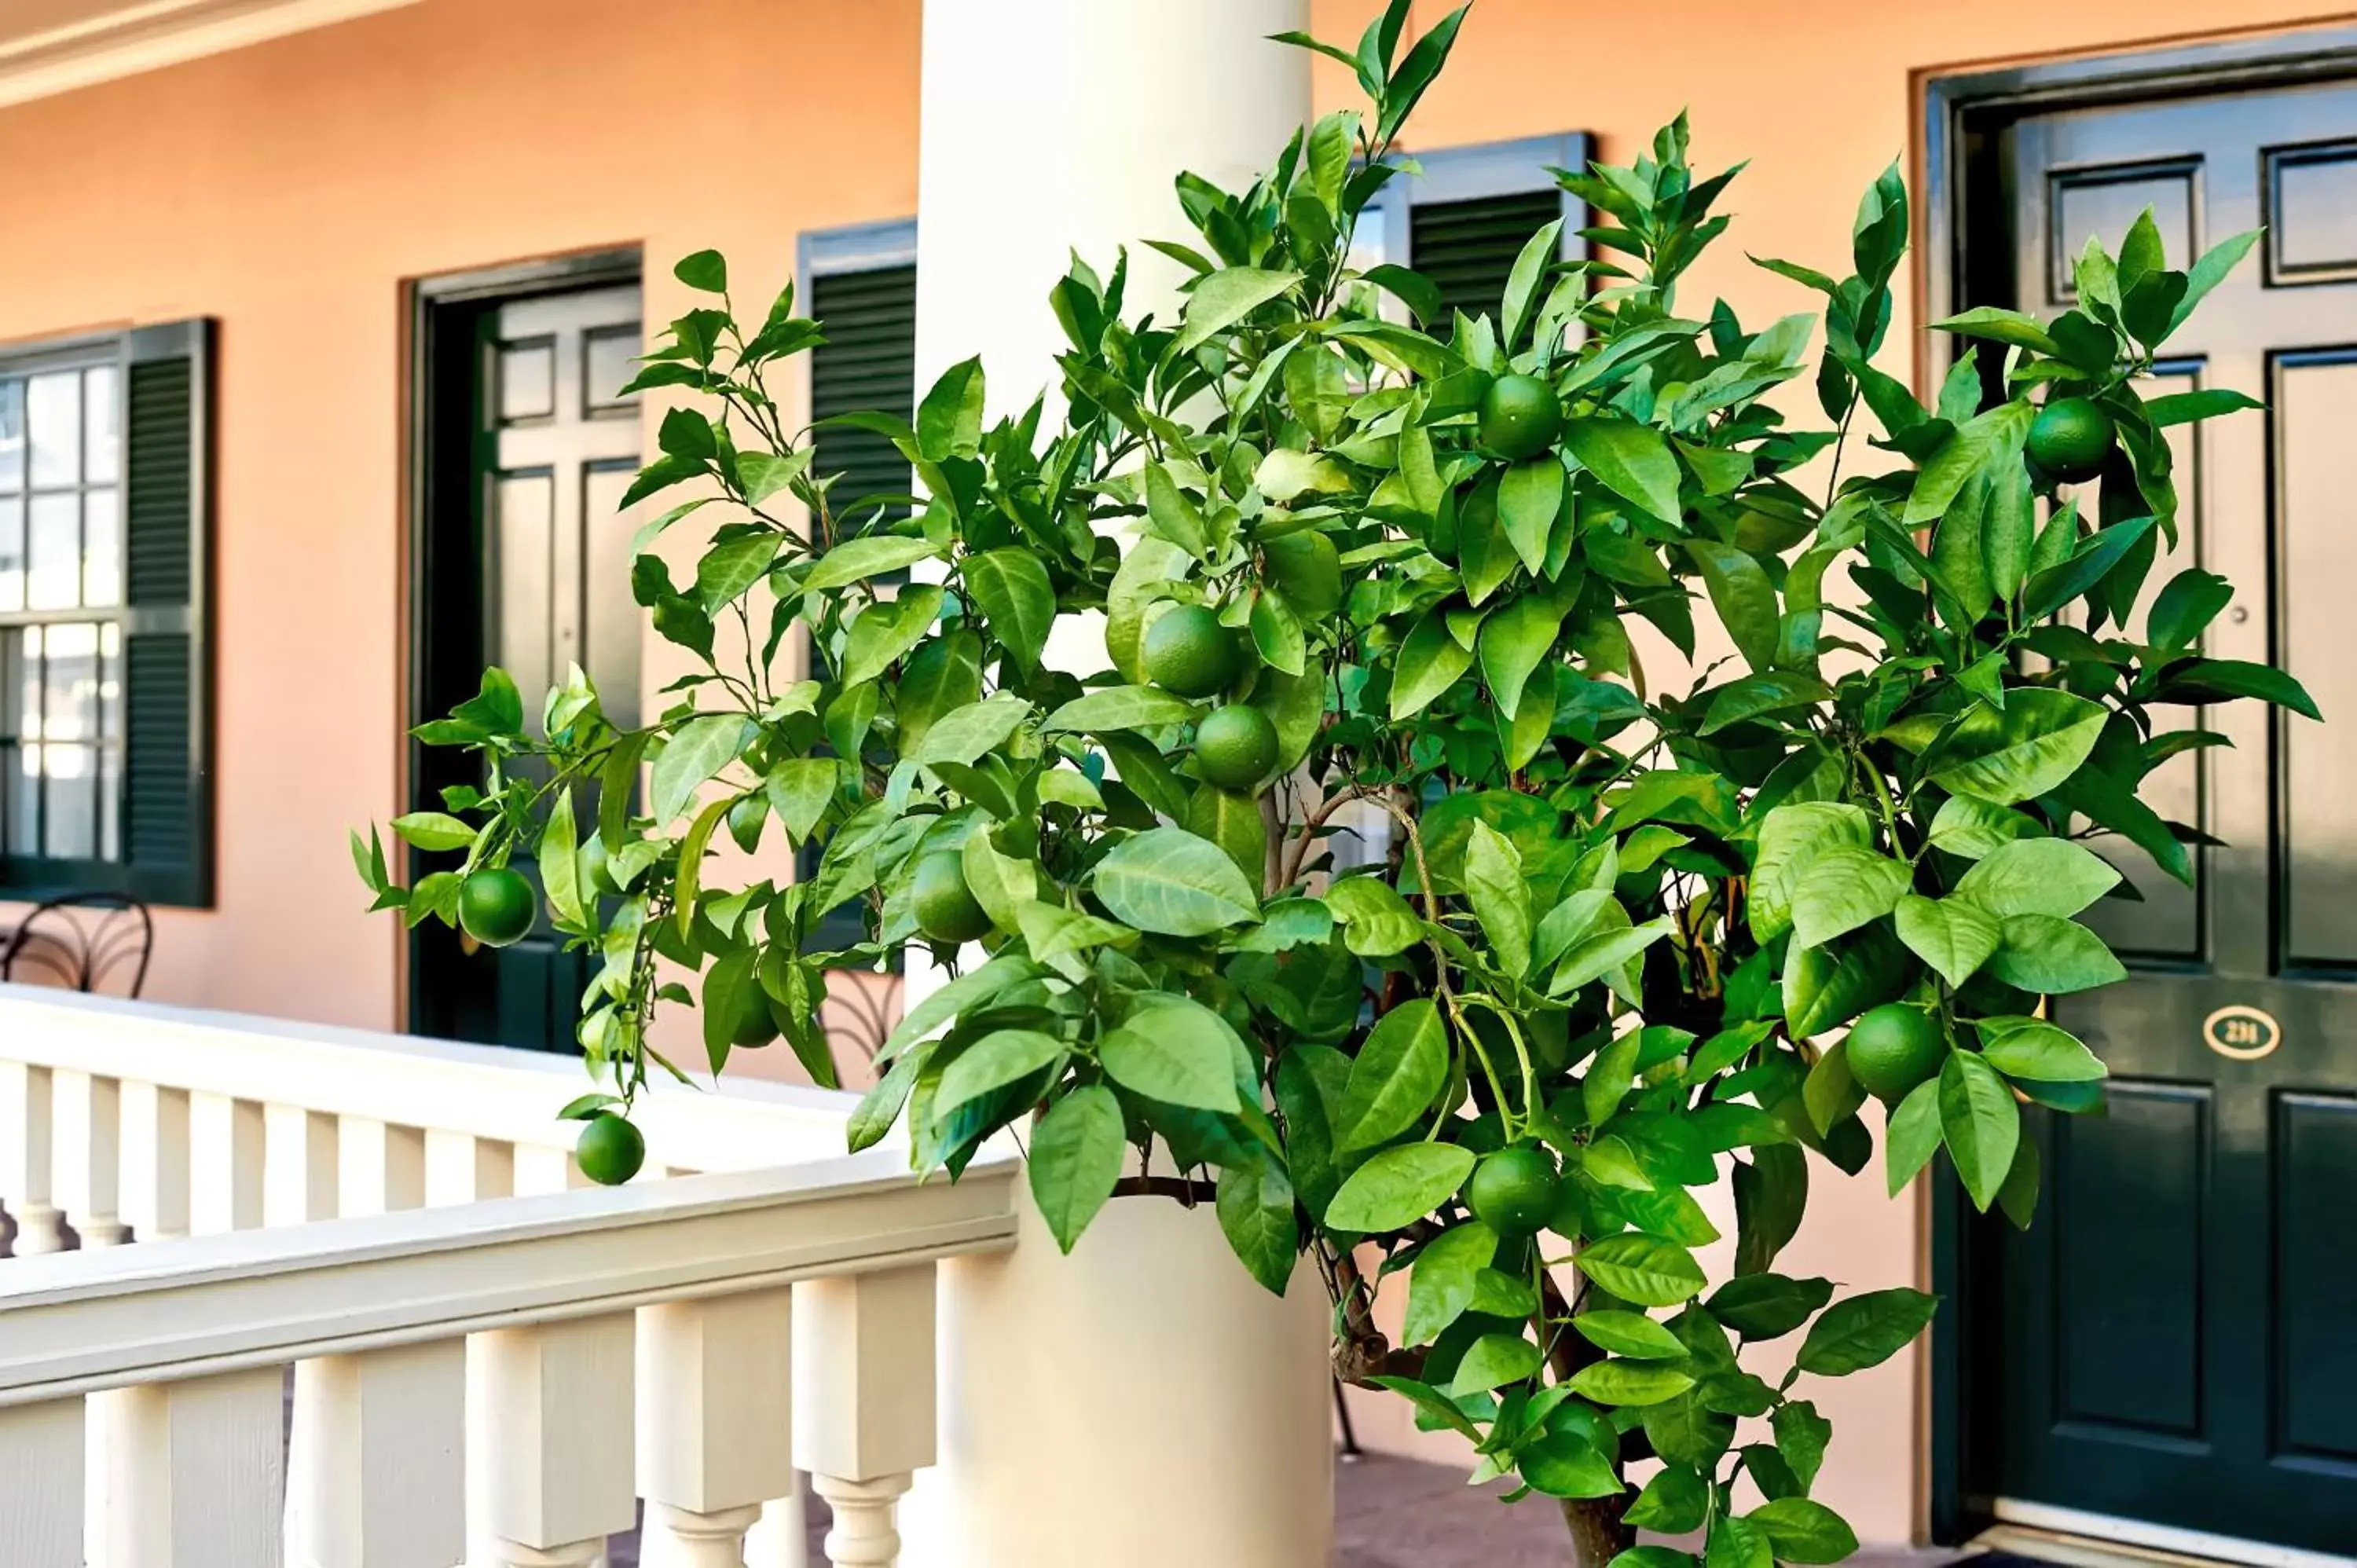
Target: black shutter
column 1467, row 248
column 868, row 361
column 167, row 759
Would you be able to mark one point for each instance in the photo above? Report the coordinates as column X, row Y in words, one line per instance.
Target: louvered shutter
column 1467, row 248
column 868, row 361
column 167, row 772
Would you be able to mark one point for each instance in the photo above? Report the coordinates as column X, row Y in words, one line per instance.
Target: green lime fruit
column 495, row 906
column 610, row 1151
column 597, row 867
column 944, row 906
column 1190, row 652
column 2069, row 439
column 1235, row 747
column 1893, row 1049
column 1520, row 417
column 754, row 1025
column 1514, row 1191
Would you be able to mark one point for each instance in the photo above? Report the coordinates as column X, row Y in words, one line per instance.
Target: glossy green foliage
column 1500, row 886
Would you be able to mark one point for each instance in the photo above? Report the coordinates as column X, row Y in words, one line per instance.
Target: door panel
column 2176, row 1339
column 533, row 449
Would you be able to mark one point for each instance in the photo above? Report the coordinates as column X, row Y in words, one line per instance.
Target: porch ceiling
column 55, row 46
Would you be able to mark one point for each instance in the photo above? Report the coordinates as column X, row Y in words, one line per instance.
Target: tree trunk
column 1598, row 1535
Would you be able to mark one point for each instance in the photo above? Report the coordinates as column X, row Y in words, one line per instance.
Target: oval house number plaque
column 2245, row 1033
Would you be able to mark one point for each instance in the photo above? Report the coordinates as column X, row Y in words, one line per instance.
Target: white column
column 195, row 1472
column 225, row 1143
column 864, row 1402
column 27, row 1138
column 1102, row 1397
column 714, row 1402
column 383, row 1485
column 41, row 1455
column 558, row 1404
column 89, row 1155
column 155, row 1161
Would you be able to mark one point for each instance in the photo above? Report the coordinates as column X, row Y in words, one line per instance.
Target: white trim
column 73, row 1323
column 855, row 248
column 1485, row 169
column 2160, row 1537
column 124, row 40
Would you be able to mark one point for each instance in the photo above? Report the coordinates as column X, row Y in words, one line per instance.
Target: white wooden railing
column 479, row 1378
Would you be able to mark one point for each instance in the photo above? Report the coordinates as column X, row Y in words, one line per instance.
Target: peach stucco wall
column 288, row 189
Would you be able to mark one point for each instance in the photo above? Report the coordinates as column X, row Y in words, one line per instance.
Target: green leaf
column 2039, row 740
column 2210, row 271
column 1841, row 889
column 1630, row 1334
column 434, row 830
column 1227, row 297
column 1493, row 883
column 1515, row 642
column 1530, row 266
column 941, row 676
column 1398, row 1187
column 697, row 750
column 1984, row 442
column 2209, row 680
column 1255, row 1211
column 1306, row 568
column 1800, row 1531
column 1864, row 1331
column 1529, row 496
column 1790, row 836
column 1396, row 1076
column 998, row 1059
column 1954, row 935
column 2037, row 1051
column 1980, row 1122
column 1643, row 1269
column 1633, row 461
column 728, row 570
column 1168, row 881
column 1122, row 708
column 704, row 270
column 1628, row 1382
column 856, row 560
column 1768, row 1306
column 560, row 865
column 948, row 421
column 962, row 734
column 1674, row 1501
column 1440, row 1285
column 2090, row 562
column 1914, row 1136
column 1769, row 691
column 2001, row 327
column 1492, row 1361
column 2184, row 408
column 1744, row 598
column 800, row 789
column 1178, row 1052
column 968, row 991
column 2049, row 955
column 2038, row 877
column 1737, row 1544
column 1567, row 1464
column 1376, row 921
column 887, row 630
column 1802, row 1437
column 1172, row 513
column 1010, row 587
column 1430, row 660
column 1602, row 955
column 1076, row 1157
column 1973, row 829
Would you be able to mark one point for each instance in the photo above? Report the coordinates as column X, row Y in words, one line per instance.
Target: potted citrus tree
column 1374, row 892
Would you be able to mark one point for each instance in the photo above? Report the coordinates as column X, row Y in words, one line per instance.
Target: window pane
column 53, row 416
column 110, row 683
column 12, row 552
column 53, row 551
column 608, row 364
column 69, row 684
column 110, row 803
column 69, row 825
column 102, row 427
column 528, row 379
column 101, row 545
column 24, row 802
column 12, row 436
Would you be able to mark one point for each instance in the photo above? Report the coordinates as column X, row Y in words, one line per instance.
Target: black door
column 524, row 562
column 2175, row 1341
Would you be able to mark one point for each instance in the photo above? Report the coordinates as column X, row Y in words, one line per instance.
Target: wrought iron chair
column 85, row 941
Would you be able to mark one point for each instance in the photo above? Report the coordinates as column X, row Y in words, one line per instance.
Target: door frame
column 434, row 311
column 1965, row 198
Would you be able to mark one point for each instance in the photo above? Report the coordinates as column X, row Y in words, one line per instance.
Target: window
column 1463, row 221
column 102, row 504
column 861, row 282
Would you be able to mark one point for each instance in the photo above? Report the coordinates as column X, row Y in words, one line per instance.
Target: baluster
column 300, row 1165
column 542, row 1169
column 782, row 1538
column 25, row 1133
column 225, row 1145
column 864, row 1402
column 462, row 1168
column 384, row 1168
column 155, row 1160
column 713, row 1393
column 557, row 1413
column 87, row 1155
column 41, row 1450
column 195, row 1471
column 382, row 1483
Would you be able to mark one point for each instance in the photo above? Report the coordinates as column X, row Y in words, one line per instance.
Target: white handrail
column 79, row 1322
column 486, row 1092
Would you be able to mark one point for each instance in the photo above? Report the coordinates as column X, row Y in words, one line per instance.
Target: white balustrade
column 494, row 1364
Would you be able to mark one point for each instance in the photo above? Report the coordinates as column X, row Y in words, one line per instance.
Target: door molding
column 434, row 309
column 1964, row 196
